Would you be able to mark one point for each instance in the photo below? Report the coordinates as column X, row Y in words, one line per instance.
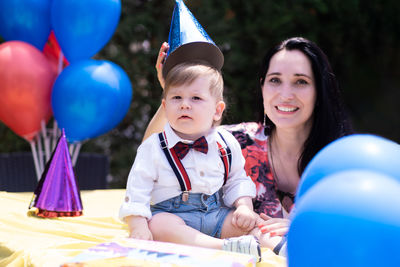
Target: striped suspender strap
column 226, row 157
column 176, row 164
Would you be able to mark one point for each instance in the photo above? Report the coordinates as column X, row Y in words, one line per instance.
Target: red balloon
column 25, row 89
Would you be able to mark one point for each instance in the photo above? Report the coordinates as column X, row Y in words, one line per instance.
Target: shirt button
column 201, row 173
column 126, row 199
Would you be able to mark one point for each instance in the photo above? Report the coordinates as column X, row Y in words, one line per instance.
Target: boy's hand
column 141, row 233
column 273, row 226
column 162, row 54
column 244, row 218
column 138, row 228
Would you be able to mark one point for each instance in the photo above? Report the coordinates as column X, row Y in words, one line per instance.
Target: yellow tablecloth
column 32, row 241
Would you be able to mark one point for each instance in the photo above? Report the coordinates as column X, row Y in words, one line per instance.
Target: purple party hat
column 188, row 41
column 57, row 193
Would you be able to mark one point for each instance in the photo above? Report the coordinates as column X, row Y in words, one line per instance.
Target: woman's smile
column 286, row 109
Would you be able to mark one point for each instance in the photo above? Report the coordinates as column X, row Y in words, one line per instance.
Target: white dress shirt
column 152, row 180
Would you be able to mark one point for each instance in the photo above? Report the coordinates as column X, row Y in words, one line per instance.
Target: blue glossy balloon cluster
column 347, row 210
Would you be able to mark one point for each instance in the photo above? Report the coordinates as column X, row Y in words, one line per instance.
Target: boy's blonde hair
column 186, row 73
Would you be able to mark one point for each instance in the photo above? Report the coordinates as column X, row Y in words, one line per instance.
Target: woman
column 302, row 113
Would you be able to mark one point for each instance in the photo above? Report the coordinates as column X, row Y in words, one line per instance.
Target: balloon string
column 46, row 141
column 71, row 149
column 54, row 135
column 76, row 153
column 40, row 150
column 35, row 159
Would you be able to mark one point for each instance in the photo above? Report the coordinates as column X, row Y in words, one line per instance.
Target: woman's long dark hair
column 330, row 120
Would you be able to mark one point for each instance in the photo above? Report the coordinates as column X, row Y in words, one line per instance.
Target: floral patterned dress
column 253, row 141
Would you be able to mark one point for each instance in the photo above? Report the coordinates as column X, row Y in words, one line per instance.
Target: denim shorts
column 201, row 212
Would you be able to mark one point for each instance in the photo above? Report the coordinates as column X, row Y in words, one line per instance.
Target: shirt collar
column 173, row 138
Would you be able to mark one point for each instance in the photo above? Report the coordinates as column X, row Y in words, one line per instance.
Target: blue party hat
column 188, row 41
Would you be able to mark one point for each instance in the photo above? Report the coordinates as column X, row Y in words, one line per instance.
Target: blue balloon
column 350, row 218
column 26, row 20
column 90, row 97
column 358, row 151
column 82, row 28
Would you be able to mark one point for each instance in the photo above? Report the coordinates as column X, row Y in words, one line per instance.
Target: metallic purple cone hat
column 57, row 193
column 188, row 41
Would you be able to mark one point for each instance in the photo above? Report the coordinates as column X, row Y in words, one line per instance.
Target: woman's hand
column 159, row 119
column 273, row 226
column 162, row 54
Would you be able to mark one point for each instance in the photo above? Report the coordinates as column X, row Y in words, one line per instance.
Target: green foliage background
column 360, row 37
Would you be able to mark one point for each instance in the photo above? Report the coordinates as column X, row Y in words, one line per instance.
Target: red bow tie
column 181, row 149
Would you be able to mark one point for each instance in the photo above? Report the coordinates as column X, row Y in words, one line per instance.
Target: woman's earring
column 265, row 116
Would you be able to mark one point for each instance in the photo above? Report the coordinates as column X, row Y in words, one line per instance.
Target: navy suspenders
column 226, row 157
column 179, row 170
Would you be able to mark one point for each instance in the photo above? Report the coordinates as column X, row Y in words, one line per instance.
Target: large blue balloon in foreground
column 350, row 218
column 90, row 98
column 83, row 27
column 25, row 20
column 358, row 151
